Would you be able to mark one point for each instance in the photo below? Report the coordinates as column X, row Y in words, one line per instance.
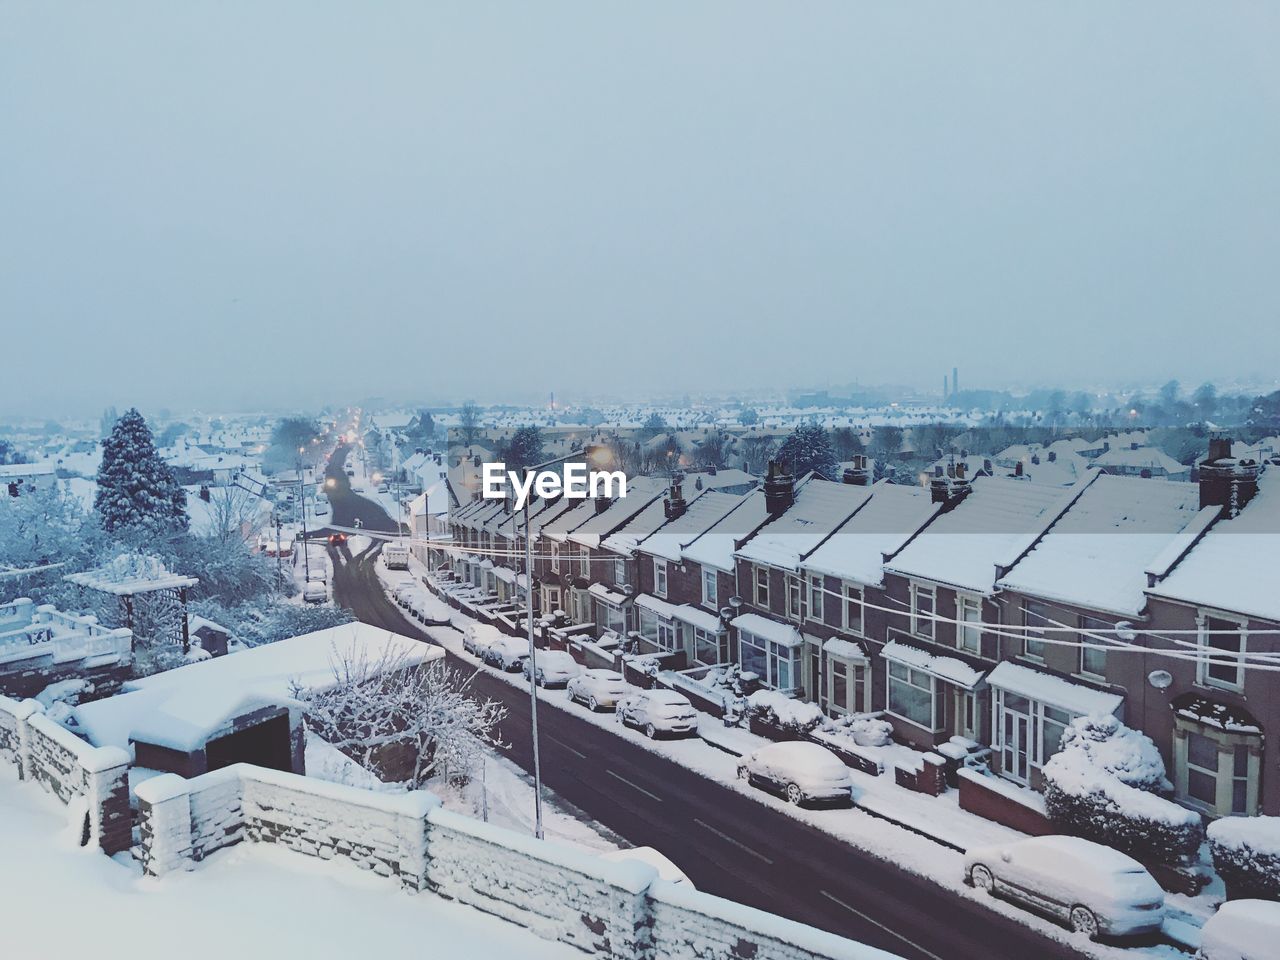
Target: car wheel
column 794, row 794
column 1083, row 921
column 742, row 773
column 981, row 878
column 650, row 731
column 592, row 704
column 542, row 680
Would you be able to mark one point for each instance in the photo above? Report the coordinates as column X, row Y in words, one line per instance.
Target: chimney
column 779, row 489
column 1035, row 458
column 949, row 488
column 603, row 504
column 986, row 466
column 1017, row 469
column 1226, row 481
column 1053, row 456
column 857, row 474
column 675, row 505
column 711, row 470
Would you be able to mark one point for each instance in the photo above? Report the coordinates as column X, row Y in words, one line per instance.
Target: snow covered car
column 647, row 855
column 321, row 508
column 506, row 653
column 598, row 688
column 315, row 592
column 1093, row 889
column 1241, row 930
column 800, row 772
column 478, row 636
column 555, row 668
column 658, row 711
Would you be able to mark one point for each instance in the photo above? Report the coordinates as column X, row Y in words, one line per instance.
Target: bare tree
column 235, row 515
column 756, row 450
column 469, row 423
column 391, row 714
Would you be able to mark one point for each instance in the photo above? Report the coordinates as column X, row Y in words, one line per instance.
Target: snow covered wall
column 70, row 769
column 604, row 908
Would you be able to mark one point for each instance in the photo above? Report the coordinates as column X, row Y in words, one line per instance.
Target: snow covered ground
column 252, row 900
column 857, row 827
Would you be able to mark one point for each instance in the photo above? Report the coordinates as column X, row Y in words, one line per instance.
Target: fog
column 241, row 205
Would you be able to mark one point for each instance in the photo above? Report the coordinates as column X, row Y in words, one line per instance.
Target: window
column 660, row 577
column 1093, row 661
column 619, row 571
column 853, row 608
column 706, row 646
column 555, row 557
column 922, row 607
column 1217, row 771
column 911, row 695
column 710, row 589
column 666, row 634
column 1053, row 723
column 816, row 598
column 969, row 630
column 613, row 618
column 774, row 663
column 584, row 563
column 762, row 588
column 795, row 598
column 751, row 650
column 1221, row 639
column 1035, row 618
column 781, row 666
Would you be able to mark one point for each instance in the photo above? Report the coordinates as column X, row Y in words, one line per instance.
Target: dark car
column 337, row 538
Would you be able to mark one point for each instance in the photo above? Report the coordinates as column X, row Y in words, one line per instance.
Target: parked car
column 1241, row 930
column 506, row 653
column 658, row 711
column 555, row 668
column 357, row 486
column 478, row 636
column 316, row 591
column 598, row 688
column 647, row 855
column 800, row 772
column 321, row 508
column 383, row 488
column 1093, row 889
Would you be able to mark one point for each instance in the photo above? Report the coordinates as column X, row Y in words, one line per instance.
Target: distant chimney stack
column 857, row 475
column 1017, row 469
column 1053, row 456
column 1226, row 481
column 779, row 489
column 675, row 504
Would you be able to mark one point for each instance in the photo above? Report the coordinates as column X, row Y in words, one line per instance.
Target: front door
column 1016, row 728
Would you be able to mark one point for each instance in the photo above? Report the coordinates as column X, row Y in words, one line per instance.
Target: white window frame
column 710, row 598
column 817, row 596
column 969, row 603
column 927, row 622
column 760, row 587
column 849, row 591
column 1203, row 677
column 1032, row 634
column 773, row 654
column 797, row 606
column 584, row 562
column 555, row 556
column 1100, row 625
column 659, row 577
column 909, row 680
column 619, row 571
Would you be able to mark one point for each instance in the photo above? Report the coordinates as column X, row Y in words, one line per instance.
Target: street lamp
column 602, row 457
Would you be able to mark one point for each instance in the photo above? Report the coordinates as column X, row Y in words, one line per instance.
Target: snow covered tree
column 748, row 417
column 808, row 449
column 10, row 454
column 288, row 437
column 137, row 492
column 712, row 450
column 846, row 443
column 402, row 720
column 886, row 442
column 524, row 449
column 652, row 426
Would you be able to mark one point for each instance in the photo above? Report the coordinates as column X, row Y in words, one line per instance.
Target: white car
column 315, row 592
column 506, row 653
column 1093, row 889
column 798, row 771
column 321, row 508
column 1241, row 930
column 357, row 486
column 647, row 855
column 555, row 668
column 598, row 688
column 659, row 711
column 478, row 636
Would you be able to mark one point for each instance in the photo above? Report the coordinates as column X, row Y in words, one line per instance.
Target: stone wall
column 70, row 768
column 606, row 909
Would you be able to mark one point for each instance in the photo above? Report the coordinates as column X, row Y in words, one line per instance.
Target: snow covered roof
column 1150, row 458
column 1097, row 553
column 10, row 470
column 129, row 574
column 641, row 492
column 187, row 720
column 1234, row 565
column 668, row 539
column 268, row 672
column 685, row 612
column 603, row 592
column 771, row 630
column 1056, row 692
column 950, row 669
column 715, row 547
column 844, row 649
column 820, row 507
column 962, row 547
column 893, row 514
column 624, row 539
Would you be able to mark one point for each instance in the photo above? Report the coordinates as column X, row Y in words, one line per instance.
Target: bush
column 1088, row 801
column 1246, row 854
column 865, row 731
column 1129, row 756
column 792, row 718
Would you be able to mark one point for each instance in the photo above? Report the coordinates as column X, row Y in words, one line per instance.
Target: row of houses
column 988, row 608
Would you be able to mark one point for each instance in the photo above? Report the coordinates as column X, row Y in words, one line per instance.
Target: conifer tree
column 137, row 492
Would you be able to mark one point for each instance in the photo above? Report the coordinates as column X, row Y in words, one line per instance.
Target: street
column 727, row 843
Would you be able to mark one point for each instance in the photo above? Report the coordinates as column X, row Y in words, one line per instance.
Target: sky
column 241, row 205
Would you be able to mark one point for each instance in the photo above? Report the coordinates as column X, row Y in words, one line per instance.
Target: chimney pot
column 779, row 489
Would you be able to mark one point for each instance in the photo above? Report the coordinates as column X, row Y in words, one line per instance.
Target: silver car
column 598, row 688
column 1091, row 888
column 555, row 668
column 657, row 712
column 800, row 772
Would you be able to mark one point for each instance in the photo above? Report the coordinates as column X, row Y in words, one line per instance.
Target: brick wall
column 69, row 768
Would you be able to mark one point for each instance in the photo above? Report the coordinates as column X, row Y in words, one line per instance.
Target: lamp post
column 601, row 456
column 302, row 503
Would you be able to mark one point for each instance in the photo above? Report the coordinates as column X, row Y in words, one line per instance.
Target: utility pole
column 302, row 497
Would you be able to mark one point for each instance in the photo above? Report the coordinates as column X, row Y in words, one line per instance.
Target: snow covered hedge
column 786, row 717
column 1246, row 854
column 1094, row 789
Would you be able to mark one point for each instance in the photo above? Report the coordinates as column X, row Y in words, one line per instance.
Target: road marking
column 634, row 786
column 737, row 843
column 877, row 923
column 569, row 748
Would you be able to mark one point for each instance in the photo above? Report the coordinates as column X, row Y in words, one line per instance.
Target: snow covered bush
column 865, row 731
column 1086, row 800
column 254, row 624
column 1246, row 854
column 1128, row 755
column 791, row 718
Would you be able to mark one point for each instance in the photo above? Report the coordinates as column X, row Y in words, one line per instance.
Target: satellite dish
column 735, row 602
column 627, row 588
column 1160, row 679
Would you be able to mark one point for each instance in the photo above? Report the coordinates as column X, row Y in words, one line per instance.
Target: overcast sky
column 244, row 204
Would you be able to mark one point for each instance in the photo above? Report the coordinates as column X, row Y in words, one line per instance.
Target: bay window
column 911, row 695
column 774, row 663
